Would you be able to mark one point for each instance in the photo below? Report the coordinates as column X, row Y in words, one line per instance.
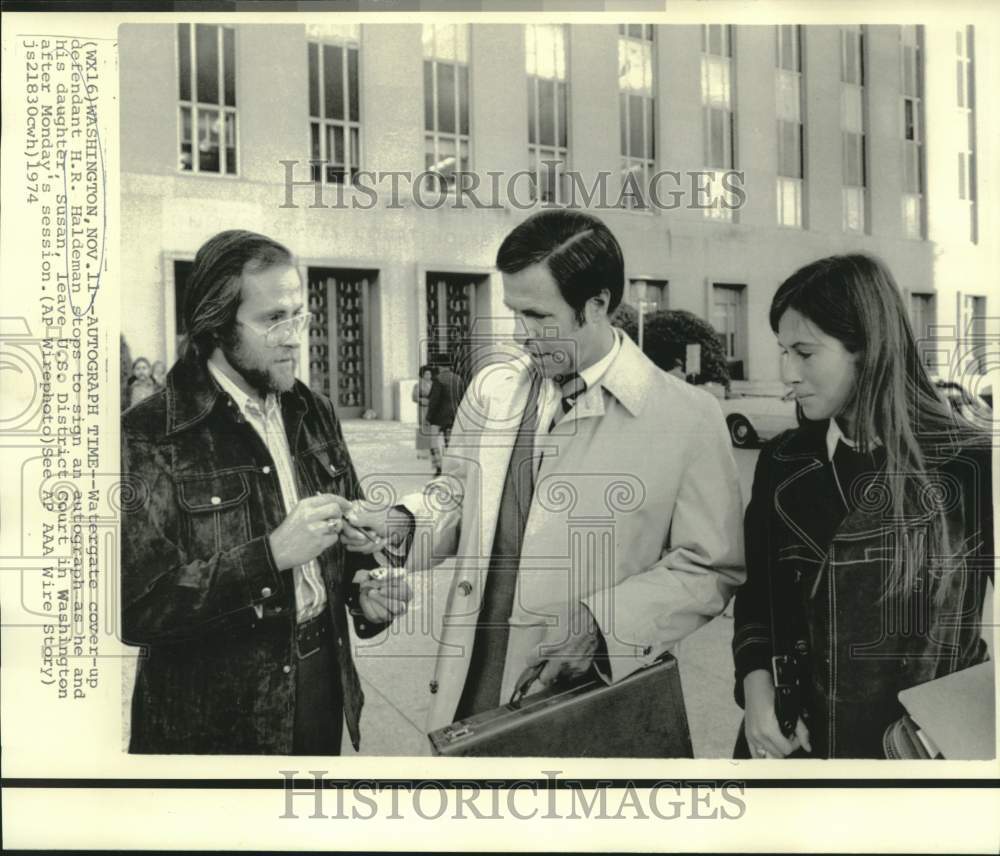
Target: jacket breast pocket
column 217, row 509
column 326, row 469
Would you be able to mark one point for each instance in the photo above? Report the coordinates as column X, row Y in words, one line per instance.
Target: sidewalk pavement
column 396, row 667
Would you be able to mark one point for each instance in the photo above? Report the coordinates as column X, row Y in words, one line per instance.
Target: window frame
column 346, row 124
column 195, row 106
column 783, row 180
column 434, row 136
column 718, row 212
column 644, row 167
column 537, row 149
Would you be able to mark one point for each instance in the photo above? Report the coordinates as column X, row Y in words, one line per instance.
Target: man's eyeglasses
column 278, row 334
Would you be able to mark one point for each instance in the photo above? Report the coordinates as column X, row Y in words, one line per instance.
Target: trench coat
column 636, row 513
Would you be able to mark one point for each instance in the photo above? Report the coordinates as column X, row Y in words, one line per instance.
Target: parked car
column 974, row 408
column 756, row 418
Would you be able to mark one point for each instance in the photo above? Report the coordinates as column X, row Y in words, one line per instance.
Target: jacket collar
column 629, row 378
column 192, row 394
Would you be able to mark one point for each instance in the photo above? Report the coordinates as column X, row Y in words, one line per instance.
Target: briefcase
column 641, row 716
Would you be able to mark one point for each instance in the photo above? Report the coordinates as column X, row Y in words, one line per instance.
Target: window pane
column 546, row 112
column 545, row 51
column 184, row 60
column 355, row 148
column 715, row 39
column 635, row 31
column 530, row 49
column 208, row 140
column 464, row 156
column 717, row 149
column 909, row 131
column 229, row 65
column 352, row 84
column 446, row 98
column 337, row 149
column 960, row 83
column 315, row 154
column 186, row 162
column 207, row 58
column 623, row 122
column 636, row 144
column 428, row 95
column 427, row 40
column 961, row 176
column 650, row 129
column 851, row 111
column 463, row 99
column 231, row 143
column 462, row 43
column 531, row 110
column 333, row 81
column 312, row 50
column 562, row 99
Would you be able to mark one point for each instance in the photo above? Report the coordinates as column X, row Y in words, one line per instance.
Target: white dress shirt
column 310, row 593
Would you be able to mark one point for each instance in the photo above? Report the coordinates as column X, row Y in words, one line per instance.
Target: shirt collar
column 593, row 374
column 243, row 400
column 834, row 435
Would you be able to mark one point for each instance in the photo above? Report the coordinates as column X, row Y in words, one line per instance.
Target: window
column 334, row 105
column 852, row 125
column 788, row 82
column 548, row 103
column 729, row 321
column 652, row 293
column 910, row 54
column 966, row 103
column 206, row 62
column 718, row 116
column 636, row 107
column 974, row 331
column 923, row 318
column 446, row 100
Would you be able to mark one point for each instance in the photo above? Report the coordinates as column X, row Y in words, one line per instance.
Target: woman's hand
column 762, row 730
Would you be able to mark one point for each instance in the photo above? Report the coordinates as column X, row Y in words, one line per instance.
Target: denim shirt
column 200, row 589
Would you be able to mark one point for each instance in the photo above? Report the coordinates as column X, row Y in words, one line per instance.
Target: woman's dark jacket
column 819, row 570
column 201, row 495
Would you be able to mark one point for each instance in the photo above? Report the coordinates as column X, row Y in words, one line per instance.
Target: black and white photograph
column 569, row 410
column 591, row 383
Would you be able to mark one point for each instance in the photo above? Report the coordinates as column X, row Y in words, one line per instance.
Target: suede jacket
column 200, row 590
column 816, row 575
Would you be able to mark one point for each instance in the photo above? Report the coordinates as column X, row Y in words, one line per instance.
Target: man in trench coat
column 591, row 499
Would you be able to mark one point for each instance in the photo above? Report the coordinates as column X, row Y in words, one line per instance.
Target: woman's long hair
column 855, row 299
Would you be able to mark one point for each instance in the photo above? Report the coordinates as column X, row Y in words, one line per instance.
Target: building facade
column 868, row 138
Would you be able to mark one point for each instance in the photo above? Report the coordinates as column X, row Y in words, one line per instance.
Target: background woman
column 141, row 384
column 421, row 395
column 869, row 531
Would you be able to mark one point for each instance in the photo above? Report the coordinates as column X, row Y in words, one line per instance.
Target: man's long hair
column 214, row 290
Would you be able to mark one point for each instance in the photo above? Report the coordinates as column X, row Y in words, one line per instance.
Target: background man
column 232, row 575
column 584, row 428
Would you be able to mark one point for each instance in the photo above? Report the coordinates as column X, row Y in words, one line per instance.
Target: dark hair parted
column 214, row 290
column 579, row 250
column 855, row 299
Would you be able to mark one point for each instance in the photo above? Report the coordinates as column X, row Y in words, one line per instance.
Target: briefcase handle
column 528, row 677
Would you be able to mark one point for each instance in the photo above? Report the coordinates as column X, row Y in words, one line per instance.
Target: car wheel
column 741, row 431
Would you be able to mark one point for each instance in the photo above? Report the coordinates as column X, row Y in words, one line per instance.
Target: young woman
column 869, row 532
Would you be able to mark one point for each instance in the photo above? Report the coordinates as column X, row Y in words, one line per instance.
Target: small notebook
column 957, row 712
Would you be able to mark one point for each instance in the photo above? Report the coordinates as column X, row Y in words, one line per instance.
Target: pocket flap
column 213, row 492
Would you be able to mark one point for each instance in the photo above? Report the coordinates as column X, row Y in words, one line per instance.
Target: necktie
column 571, row 387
